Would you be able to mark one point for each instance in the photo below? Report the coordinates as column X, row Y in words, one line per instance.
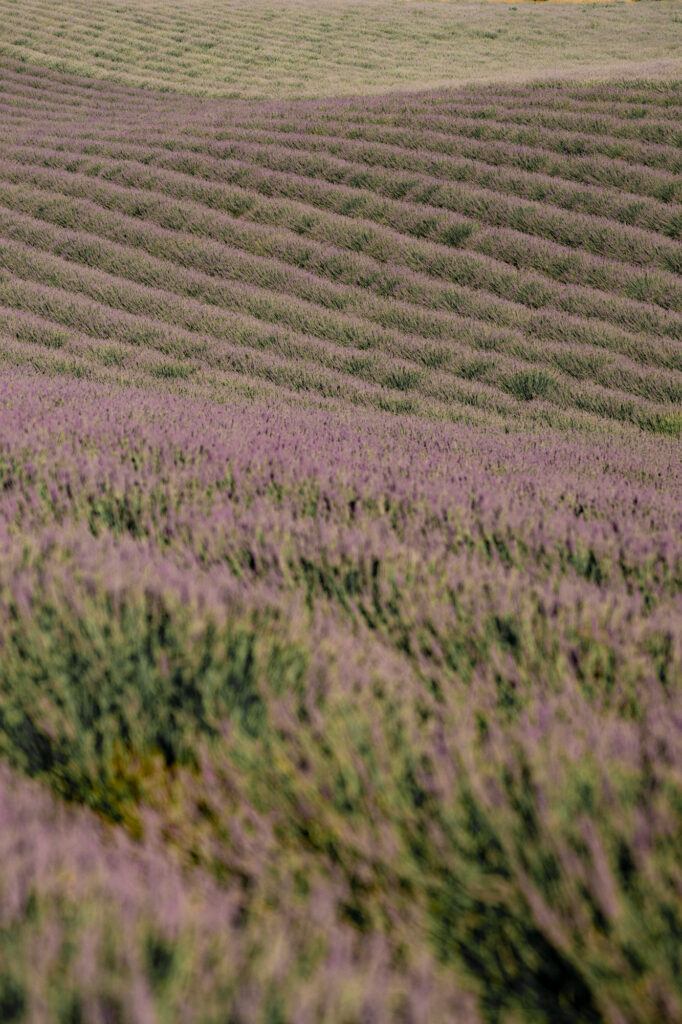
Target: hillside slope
column 340, row 555
column 513, row 250
column 299, row 49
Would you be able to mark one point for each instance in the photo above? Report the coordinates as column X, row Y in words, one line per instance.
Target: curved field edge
column 301, row 49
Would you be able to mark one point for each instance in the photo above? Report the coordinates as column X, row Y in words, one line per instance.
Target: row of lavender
column 455, row 252
column 405, row 694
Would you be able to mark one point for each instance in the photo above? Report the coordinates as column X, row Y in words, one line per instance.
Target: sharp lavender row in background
column 340, row 557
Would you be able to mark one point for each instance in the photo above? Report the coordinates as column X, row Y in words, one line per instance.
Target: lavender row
column 150, row 318
column 414, row 205
column 319, row 297
column 360, row 258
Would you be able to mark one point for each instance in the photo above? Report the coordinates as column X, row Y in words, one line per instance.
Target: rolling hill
column 340, row 538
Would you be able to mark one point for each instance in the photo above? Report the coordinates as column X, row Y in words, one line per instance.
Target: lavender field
column 340, row 555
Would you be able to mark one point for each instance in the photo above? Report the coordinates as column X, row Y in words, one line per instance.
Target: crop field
column 312, row 48
column 340, row 542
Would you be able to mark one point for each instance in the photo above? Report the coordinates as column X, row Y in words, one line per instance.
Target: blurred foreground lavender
column 408, row 694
